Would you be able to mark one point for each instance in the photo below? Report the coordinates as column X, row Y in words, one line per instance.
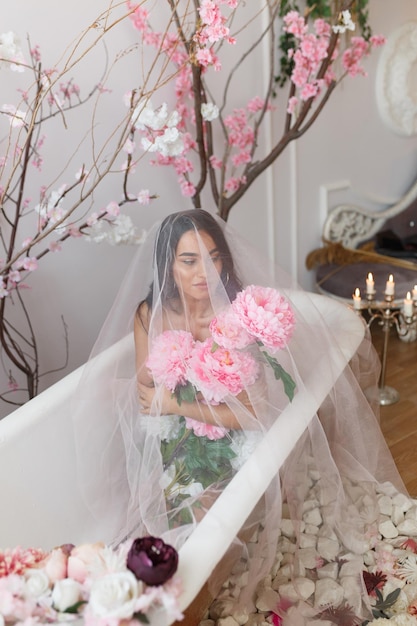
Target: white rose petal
column 114, row 595
column 65, row 594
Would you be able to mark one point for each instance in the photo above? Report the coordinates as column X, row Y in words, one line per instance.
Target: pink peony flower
column 168, row 359
column 81, row 559
column 18, row 560
column 201, row 429
column 228, row 332
column 218, row 372
column 266, row 315
column 55, row 565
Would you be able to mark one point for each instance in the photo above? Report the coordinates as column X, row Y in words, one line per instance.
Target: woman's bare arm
column 140, row 331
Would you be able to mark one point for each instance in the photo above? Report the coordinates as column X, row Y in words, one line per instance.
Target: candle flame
column 408, row 295
column 370, row 276
column 357, row 292
column 391, row 278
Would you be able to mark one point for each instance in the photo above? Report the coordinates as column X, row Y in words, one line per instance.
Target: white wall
column 281, row 213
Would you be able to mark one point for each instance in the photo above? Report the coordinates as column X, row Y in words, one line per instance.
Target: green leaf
column 185, row 393
column 141, row 617
column 74, row 608
column 281, row 374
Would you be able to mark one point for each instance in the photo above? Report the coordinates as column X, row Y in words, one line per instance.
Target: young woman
column 194, row 264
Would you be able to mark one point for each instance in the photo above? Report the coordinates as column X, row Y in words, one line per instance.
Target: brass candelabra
column 388, row 314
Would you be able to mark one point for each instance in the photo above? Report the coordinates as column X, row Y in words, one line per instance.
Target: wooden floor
column 399, row 420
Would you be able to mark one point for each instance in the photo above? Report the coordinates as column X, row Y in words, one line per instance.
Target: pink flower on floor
column 168, row 359
column 201, row 429
column 18, row 560
column 266, row 315
column 218, row 372
column 228, row 332
column 55, row 564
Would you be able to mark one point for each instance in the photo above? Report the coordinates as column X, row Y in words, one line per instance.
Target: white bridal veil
column 158, row 474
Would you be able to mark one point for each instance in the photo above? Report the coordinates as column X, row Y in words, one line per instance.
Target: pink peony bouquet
column 105, row 587
column 221, row 366
column 262, row 315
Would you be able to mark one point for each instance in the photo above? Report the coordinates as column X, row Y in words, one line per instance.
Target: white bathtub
column 41, row 506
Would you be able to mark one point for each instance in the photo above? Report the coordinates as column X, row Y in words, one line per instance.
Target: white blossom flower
column 169, row 144
column 345, row 23
column 209, row 111
column 3, row 290
column 121, row 230
column 144, row 116
column 11, row 54
column 17, row 118
column 51, row 203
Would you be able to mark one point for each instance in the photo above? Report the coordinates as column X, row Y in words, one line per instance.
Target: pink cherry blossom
column 139, row 16
column 266, row 315
column 217, row 372
column 169, row 357
column 144, row 197
column 256, row 104
column 242, row 157
column 295, row 24
column 292, row 104
column 55, row 246
column 201, row 429
column 378, row 40
column 187, row 188
column 113, row 209
column 30, row 263
column 215, row 162
column 353, row 56
column 14, row 276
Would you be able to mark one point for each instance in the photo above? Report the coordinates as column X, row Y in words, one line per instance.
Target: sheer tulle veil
column 122, row 454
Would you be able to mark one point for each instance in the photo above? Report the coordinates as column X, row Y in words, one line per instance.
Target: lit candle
column 415, row 292
column 408, row 305
column 357, row 299
column 390, row 285
column 370, row 284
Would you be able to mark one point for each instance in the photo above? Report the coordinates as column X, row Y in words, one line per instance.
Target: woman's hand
column 166, row 403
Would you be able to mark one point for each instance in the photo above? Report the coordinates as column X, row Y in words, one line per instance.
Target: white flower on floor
column 114, row 596
column 407, row 570
column 37, row 583
column 65, row 594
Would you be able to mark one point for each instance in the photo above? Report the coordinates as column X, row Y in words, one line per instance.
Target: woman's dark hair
column 171, row 230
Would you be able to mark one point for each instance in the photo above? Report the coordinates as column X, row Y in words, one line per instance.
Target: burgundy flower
column 373, row 581
column 152, row 561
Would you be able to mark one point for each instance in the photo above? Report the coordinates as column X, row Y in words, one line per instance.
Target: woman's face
column 190, row 267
